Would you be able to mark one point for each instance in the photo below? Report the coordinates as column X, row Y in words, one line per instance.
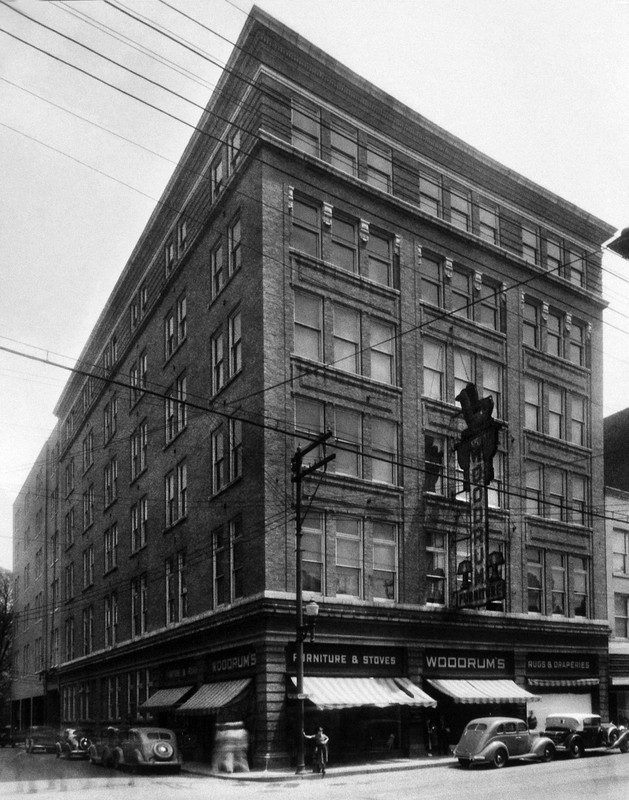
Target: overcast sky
column 539, row 85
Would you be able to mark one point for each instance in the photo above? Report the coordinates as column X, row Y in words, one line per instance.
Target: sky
column 86, row 148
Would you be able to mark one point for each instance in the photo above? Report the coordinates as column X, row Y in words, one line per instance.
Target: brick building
column 325, row 258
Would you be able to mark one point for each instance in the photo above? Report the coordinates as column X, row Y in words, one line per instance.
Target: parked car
column 41, row 739
column 7, row 736
column 103, row 744
column 74, row 742
column 496, row 740
column 573, row 734
column 148, row 747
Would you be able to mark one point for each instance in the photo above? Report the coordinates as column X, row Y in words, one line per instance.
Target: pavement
column 383, row 765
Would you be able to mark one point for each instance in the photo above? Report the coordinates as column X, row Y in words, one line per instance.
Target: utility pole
column 299, row 473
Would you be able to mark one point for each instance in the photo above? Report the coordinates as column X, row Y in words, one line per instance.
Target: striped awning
column 483, row 691
column 165, row 698
column 554, row 682
column 329, row 693
column 212, row 696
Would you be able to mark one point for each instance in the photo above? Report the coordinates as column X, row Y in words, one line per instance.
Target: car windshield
column 158, row 735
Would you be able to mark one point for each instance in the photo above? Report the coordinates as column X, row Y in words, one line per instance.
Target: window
column 437, row 554
column 621, row 615
column 110, row 480
column 530, row 324
column 384, row 451
column 431, row 281
column 308, row 326
column 580, row 583
column 576, row 267
column 182, row 319
column 348, row 556
column 379, row 266
column 176, row 590
column 530, row 245
column 533, row 489
column 88, row 450
column 169, row 335
column 68, row 582
column 430, row 195
column 217, row 267
column 556, row 494
column 557, row 564
column 216, row 177
column 312, row 553
column 535, row 580
column 554, row 334
column 88, row 566
column 219, row 476
column 343, row 245
column 88, row 507
column 139, row 606
column 68, row 639
column 306, row 229
column 111, row 548
column 434, row 370
column 238, row 556
column 384, row 578
column 488, row 224
column 68, row 528
column 182, row 489
column 532, row 404
column 221, row 566
column 88, row 630
column 110, row 418
column 218, row 361
column 169, row 256
column 69, row 477
column 308, row 423
column 171, row 499
column 139, row 524
column 576, row 346
column 182, row 235
column 234, row 149
column 553, row 257
column 462, row 294
column 176, row 410
column 143, row 371
column 306, row 127
column 139, row 446
column 578, row 422
column 348, row 433
column 111, row 619
column 346, row 339
column 555, row 412
column 620, row 543
column 487, row 308
column 464, row 371
column 234, row 234
column 343, row 146
column 580, row 502
column 460, row 210
column 235, row 449
column 379, row 167
column 235, row 343
column 435, row 464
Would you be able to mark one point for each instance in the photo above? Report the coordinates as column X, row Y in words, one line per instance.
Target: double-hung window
column 576, row 265
column 556, row 419
column 234, row 234
column 384, row 451
column 434, row 369
column 343, row 246
column 308, row 326
column 384, row 579
column 235, row 449
column 217, row 267
column 347, row 339
column 580, row 586
column 556, row 493
column 379, row 261
column 306, row 127
column 530, row 324
column 464, row 371
column 343, row 146
column 218, row 361
column 460, row 210
column 580, row 494
column 553, row 257
column 430, row 199
column 170, row 341
column 530, row 245
column 382, row 350
column 532, row 404
column 431, row 281
column 437, row 555
column 306, row 228
column 558, row 575
column 533, row 489
column 576, row 347
column 488, row 224
column 219, row 474
column 348, row 433
column 170, row 499
column 554, row 334
column 434, row 463
column 309, row 416
column 234, row 329
column 312, row 550
column 578, row 421
column 462, row 294
column 216, row 177
column 379, row 168
column 348, row 556
column 535, row 580
column 492, row 385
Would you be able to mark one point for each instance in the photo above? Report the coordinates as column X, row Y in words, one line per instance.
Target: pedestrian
column 443, row 736
column 320, row 756
column 390, row 742
column 531, row 721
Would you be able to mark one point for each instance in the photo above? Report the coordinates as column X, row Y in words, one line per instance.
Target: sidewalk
column 384, row 765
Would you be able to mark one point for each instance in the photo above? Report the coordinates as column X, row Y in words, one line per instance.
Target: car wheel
column 613, row 738
column 500, row 758
column 548, row 753
column 575, row 750
column 465, row 763
column 163, row 750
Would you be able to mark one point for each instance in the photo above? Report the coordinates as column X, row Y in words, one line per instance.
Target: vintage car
column 496, row 740
column 74, row 743
column 103, row 744
column 154, row 748
column 573, row 734
column 41, row 739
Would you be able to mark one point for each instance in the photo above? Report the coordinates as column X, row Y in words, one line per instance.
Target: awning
column 328, row 693
column 211, row 696
column 483, row 691
column 165, row 698
column 554, row 682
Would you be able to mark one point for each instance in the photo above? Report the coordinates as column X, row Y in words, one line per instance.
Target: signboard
column 483, row 663
column 561, row 665
column 348, row 660
column 232, row 661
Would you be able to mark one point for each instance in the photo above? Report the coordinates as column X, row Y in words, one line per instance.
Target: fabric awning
column 212, row 696
column 165, row 698
column 329, row 693
column 483, row 691
column 554, row 682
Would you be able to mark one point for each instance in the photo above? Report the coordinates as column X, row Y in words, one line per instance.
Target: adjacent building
column 324, row 258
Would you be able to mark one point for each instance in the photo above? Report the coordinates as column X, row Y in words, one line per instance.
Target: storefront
column 361, row 696
column 564, row 682
column 469, row 684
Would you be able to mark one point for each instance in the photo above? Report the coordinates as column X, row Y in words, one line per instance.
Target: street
column 604, row 776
